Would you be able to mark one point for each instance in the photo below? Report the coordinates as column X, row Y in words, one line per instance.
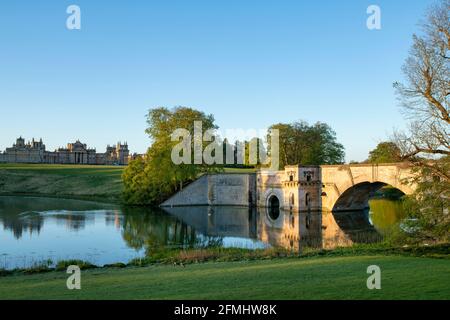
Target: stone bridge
column 297, row 188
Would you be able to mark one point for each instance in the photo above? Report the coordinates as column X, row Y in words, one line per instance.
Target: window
column 307, row 200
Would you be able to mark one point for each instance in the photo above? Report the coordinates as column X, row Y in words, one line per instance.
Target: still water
column 36, row 229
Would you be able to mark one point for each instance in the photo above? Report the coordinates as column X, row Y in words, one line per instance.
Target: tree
column 428, row 209
column 424, row 97
column 385, row 152
column 426, row 144
column 255, row 152
column 153, row 178
column 300, row 143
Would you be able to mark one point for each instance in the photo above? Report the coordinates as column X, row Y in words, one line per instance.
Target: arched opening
column 357, row 197
column 307, row 200
column 274, row 207
column 367, row 211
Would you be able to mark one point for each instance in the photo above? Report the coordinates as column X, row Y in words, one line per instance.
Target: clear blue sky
column 250, row 63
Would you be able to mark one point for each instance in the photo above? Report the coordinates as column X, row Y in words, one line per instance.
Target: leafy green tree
column 385, row 152
column 428, row 209
column 152, row 179
column 256, row 146
column 301, row 143
column 136, row 182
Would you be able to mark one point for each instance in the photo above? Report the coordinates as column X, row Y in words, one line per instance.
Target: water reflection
column 24, row 214
column 37, row 228
column 151, row 229
column 385, row 214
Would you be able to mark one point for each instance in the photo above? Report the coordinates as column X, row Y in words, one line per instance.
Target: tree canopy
column 154, row 177
column 385, row 152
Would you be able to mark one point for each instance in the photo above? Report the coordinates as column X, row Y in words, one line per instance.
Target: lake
column 37, row 229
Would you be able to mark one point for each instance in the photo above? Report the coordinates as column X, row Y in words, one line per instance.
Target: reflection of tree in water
column 27, row 214
column 152, row 229
column 34, row 221
column 366, row 226
column 114, row 218
column 18, row 217
column 385, row 214
column 73, row 221
column 19, row 224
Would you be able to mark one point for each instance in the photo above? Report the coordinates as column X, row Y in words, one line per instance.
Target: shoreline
column 64, row 197
column 181, row 257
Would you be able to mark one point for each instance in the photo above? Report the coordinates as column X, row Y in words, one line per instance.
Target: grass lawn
column 239, row 170
column 101, row 183
column 308, row 278
column 85, row 182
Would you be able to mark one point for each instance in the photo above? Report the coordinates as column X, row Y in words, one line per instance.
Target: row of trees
column 301, row 143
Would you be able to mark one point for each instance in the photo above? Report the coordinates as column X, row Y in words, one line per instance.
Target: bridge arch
column 357, row 196
column 348, row 187
column 352, row 215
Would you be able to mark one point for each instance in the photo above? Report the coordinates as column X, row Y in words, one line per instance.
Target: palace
column 74, row 153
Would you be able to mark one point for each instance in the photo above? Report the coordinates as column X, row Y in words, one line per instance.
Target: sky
column 249, row 63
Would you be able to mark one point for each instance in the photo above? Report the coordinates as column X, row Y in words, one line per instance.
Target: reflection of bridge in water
column 292, row 230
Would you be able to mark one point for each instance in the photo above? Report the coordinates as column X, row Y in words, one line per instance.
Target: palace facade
column 74, row 153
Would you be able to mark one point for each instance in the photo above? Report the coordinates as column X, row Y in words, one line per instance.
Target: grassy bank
column 83, row 182
column 310, row 278
column 176, row 256
column 99, row 183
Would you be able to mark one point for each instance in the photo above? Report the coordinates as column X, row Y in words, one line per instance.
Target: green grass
column 307, row 278
column 179, row 256
column 240, row 170
column 84, row 182
column 101, row 183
